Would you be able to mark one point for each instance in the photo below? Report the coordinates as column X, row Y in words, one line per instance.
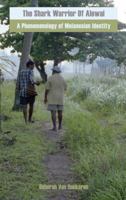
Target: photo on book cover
column 62, row 100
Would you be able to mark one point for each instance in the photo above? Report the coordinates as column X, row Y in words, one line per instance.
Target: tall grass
column 96, row 141
column 105, row 91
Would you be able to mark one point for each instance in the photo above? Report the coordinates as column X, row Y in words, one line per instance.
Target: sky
column 121, row 8
column 119, row 4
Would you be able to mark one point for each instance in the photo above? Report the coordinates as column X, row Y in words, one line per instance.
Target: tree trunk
column 41, row 69
column 25, row 54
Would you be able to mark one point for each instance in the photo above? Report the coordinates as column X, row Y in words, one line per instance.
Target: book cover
column 62, row 100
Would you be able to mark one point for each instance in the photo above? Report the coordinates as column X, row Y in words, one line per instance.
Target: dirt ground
column 58, row 166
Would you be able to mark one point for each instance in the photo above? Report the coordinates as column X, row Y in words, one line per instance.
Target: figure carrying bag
column 31, row 91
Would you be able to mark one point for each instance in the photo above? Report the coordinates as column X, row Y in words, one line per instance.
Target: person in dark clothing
column 27, row 91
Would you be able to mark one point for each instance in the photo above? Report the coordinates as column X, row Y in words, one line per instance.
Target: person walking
column 54, row 96
column 27, row 90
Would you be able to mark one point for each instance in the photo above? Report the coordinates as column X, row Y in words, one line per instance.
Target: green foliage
column 116, row 191
column 11, row 3
column 14, row 40
column 21, row 166
column 96, row 141
column 50, row 45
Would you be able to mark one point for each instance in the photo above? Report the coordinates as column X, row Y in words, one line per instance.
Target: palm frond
column 5, row 62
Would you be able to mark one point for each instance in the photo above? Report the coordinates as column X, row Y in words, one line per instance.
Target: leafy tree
column 52, row 45
column 15, row 40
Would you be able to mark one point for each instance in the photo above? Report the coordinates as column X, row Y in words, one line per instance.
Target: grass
column 21, row 168
column 95, row 136
column 96, row 139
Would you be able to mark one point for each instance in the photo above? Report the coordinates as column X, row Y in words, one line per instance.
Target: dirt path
column 58, row 165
